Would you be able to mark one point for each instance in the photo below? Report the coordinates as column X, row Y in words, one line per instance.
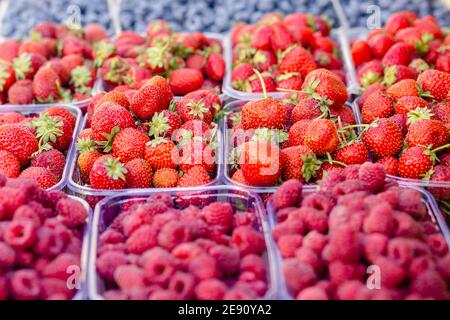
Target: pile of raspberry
column 40, row 242
column 152, row 250
column 359, row 237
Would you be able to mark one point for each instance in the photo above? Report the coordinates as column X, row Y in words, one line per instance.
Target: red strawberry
column 355, row 153
column 44, row 178
column 7, row 76
column 139, row 174
column 108, row 173
column 46, row 85
column 384, row 139
column 215, row 67
column 161, row 153
column 377, row 105
column 52, row 160
column 326, row 60
column 265, row 113
column 369, row 90
column 269, row 83
column 396, row 22
column 198, row 105
column 12, row 117
column 82, row 79
column 297, row 59
column 345, row 114
column 436, row 82
column 390, row 164
column 396, row 73
column 370, row 72
column 307, row 109
column 129, row 144
column 111, row 116
column 321, row 136
column 183, row 81
column 94, row 32
column 21, row 92
column 85, row 163
column 9, row 49
column 9, row 165
column 414, row 163
column 403, row 88
column 63, row 113
column 164, row 87
column 281, row 38
column 291, row 81
column 297, row 133
column 54, row 131
column 72, row 61
column 27, row 64
column 240, row 75
column 296, row 164
column 147, row 101
column 427, row 132
column 195, row 176
column 261, row 38
column 440, row 173
column 360, row 52
column 164, row 124
column 399, row 53
column 197, row 153
column 442, row 111
column 327, row 85
column 409, row 103
column 380, row 44
column 19, row 141
column 165, row 178
column 195, row 61
column 32, row 46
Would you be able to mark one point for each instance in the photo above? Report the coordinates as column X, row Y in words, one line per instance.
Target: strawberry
column 32, row 46
column 44, row 178
column 9, row 49
column 380, row 44
column 196, row 61
column 409, row 103
column 85, row 163
column 19, row 141
column 377, row 105
column 94, row 32
column 139, row 174
column 297, row 59
column 240, row 75
column 414, row 163
column 442, row 111
column 52, row 160
column 161, row 153
column 60, row 69
column 360, row 52
column 197, row 153
column 9, row 165
column 215, row 67
column 354, row 153
column 390, row 165
column 11, row 118
column 384, row 138
column 183, row 81
column 147, row 101
column 281, row 38
column 261, row 39
column 399, row 54
column 427, row 132
column 54, row 131
column 164, row 124
column 108, row 173
column 260, row 162
column 327, row 85
column 164, row 87
column 72, row 61
column 436, row 82
column 396, row 22
column 296, row 164
column 403, row 88
column 165, row 178
column 370, row 73
column 113, row 71
column 46, row 85
column 396, row 73
column 440, row 173
column 26, row 65
column 291, row 81
column 307, row 109
column 195, row 176
column 7, row 76
column 82, row 79
column 238, row 177
column 345, row 114
column 264, row 60
column 369, row 90
column 115, row 97
column 192, row 129
column 129, row 144
column 198, row 106
column 326, row 60
column 256, row 85
column 419, row 65
column 327, row 167
column 265, row 113
column 21, row 92
column 321, row 136
column 63, row 113
column 72, row 45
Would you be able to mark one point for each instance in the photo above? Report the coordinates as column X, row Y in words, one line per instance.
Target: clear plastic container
column 432, row 208
column 346, row 36
column 38, row 108
column 109, row 208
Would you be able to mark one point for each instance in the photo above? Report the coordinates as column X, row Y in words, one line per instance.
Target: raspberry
column 314, row 219
column 437, row 244
column 288, row 194
column 443, row 267
column 185, row 252
column 315, row 241
column 128, row 277
column 205, row 244
column 353, row 200
column 340, row 271
column 42, row 212
column 111, row 236
column 344, row 244
column 142, row 239
column 54, row 196
column 319, row 201
column 309, row 257
column 25, row 285
column 58, row 267
column 330, row 180
column 172, row 234
column 240, row 292
column 374, row 245
column 27, row 212
column 20, row 234
column 219, row 214
column 163, row 295
column 247, row 240
column 351, row 172
column 419, row 265
column 390, row 196
column 349, row 290
column 406, row 226
column 48, row 243
column 183, row 285
column 23, row 259
column 380, row 219
column 3, row 284
column 132, row 204
column 401, row 250
column 287, row 227
column 392, row 274
column 162, row 197
column 312, row 293
column 341, row 215
column 346, row 187
column 258, row 287
column 372, row 175
column 288, row 244
column 254, row 264
column 298, row 275
column 203, row 267
column 11, row 199
column 158, row 265
column 74, row 246
column 52, row 287
column 52, row 160
column 227, row 258
column 283, row 214
column 71, row 212
column 410, row 201
column 108, row 262
column 161, row 220
column 7, row 257
column 243, row 219
column 134, row 220
column 210, row 289
column 3, row 180
column 429, row 284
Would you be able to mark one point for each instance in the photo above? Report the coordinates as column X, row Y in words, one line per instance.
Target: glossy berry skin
column 109, row 116
column 267, row 113
column 19, row 141
column 427, row 132
column 107, row 173
column 414, row 163
column 355, row 153
column 436, row 82
column 321, row 136
column 129, row 144
column 384, row 139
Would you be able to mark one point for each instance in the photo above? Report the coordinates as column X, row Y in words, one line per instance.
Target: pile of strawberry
column 361, row 238
column 153, row 250
column 41, row 235
column 405, row 47
column 35, row 146
column 143, row 138
column 53, row 65
column 300, row 139
column 284, row 50
column 190, row 61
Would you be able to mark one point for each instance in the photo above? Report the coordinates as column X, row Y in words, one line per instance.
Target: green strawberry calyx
column 310, row 166
column 80, row 77
column 419, row 114
column 107, row 144
column 86, row 145
column 197, row 108
column 22, row 65
column 102, row 50
column 48, row 129
column 114, row 168
column 159, row 125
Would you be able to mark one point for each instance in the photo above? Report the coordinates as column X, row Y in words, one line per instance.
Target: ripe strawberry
column 442, row 111
column 108, row 119
column 9, row 49
column 94, row 32
column 164, row 87
column 345, row 114
column 19, row 141
column 369, row 90
column 108, row 173
column 129, row 144
column 197, row 153
column 264, row 60
column 396, row 73
column 26, row 65
column 297, row 59
column 196, row 61
column 403, row 88
column 183, row 81
column 256, row 86
column 291, row 81
column 161, row 153
column 238, row 177
column 326, row 60
column 390, row 165
column 11, row 118
column 32, row 46
column 82, row 79
column 192, row 129
column 281, row 38
column 215, row 67
column 321, row 136
column 261, row 38
column 307, row 109
column 396, row 22
column 370, row 73
column 147, row 101
column 240, row 75
column 260, row 162
column 399, row 54
column 327, row 85
column 384, row 138
column 265, row 113
column 72, row 61
column 436, row 82
column 297, row 133
column 164, row 124
column 7, row 76
column 409, row 103
column 9, row 165
column 63, row 113
column 377, row 105
column 44, row 178
column 195, row 176
column 53, row 131
column 46, row 85
column 165, row 178
column 21, row 92
column 355, row 153
column 139, row 174
column 85, row 163
column 52, row 160
column 414, row 163
column 380, row 44
column 194, row 109
column 296, row 164
column 360, row 52
column 427, row 132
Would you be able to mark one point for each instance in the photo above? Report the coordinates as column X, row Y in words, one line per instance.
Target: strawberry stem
column 263, row 85
column 445, row 146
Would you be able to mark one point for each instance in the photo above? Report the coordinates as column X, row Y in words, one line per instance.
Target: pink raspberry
column 25, row 285
column 7, row 257
column 437, row 244
column 346, row 187
column 204, row 267
column 330, row 180
column 298, row 275
column 344, row 244
column 314, row 219
column 155, row 207
column 401, row 250
column 227, row 258
column 240, row 292
column 287, row 227
column 392, row 274
column 309, row 257
column 183, row 285
column 443, row 267
column 219, row 214
column 380, row 219
column 351, row 172
column 288, row 194
column 24, row 259
column 132, row 204
column 134, row 220
column 372, row 175
column 242, row 218
column 342, row 215
column 52, row 287
column 74, row 246
column 254, row 264
column 163, row 295
column 4, row 291
column 27, row 212
column 71, row 212
column 111, row 236
column 390, row 196
column 108, row 262
column 158, row 265
column 20, row 234
column 315, row 241
column 185, row 252
column 142, row 239
column 48, row 242
column 205, row 244
column 163, row 197
column 247, row 240
column 160, row 220
column 197, row 227
column 11, row 199
column 340, row 271
column 312, row 293
column 419, row 265
column 288, row 244
column 259, row 287
column 59, row 266
column 283, row 214
column 353, row 200
column 54, row 196
column 406, row 226
column 319, row 201
column 172, row 234
column 349, row 290
column 410, row 201
column 429, row 284
column 374, row 245
column 210, row 289
column 128, row 277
